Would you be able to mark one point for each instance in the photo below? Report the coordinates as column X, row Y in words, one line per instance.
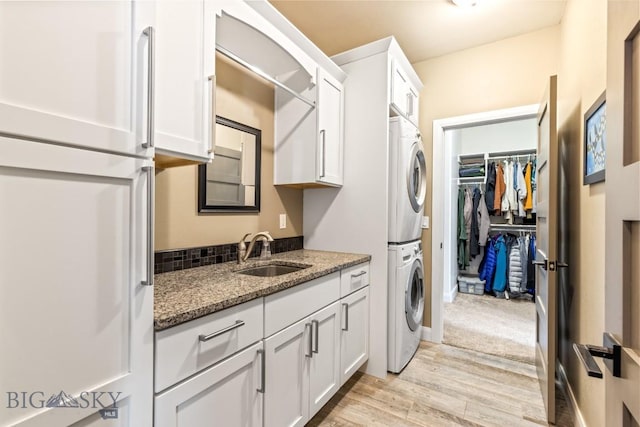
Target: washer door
column 414, row 296
column 417, row 176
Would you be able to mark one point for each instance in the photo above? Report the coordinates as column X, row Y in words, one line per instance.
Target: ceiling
column 424, row 28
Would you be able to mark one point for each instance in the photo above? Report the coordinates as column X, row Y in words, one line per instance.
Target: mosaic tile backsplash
column 181, row 259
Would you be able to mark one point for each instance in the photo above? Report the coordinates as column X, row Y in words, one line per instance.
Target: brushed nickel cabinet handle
column 345, row 310
column 149, row 170
column 212, row 115
column 151, row 87
column 359, row 274
column 212, row 335
column 316, row 326
column 262, row 371
column 310, row 346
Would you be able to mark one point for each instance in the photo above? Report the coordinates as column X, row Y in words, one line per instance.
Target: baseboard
column 426, row 333
column 578, row 419
column 450, row 295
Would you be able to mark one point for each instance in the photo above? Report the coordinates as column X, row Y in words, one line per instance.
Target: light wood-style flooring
column 443, row 386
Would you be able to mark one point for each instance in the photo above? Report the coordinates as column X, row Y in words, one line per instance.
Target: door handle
column 310, row 344
column 542, row 264
column 562, row 264
column 316, row 326
column 345, row 307
column 262, row 371
column 324, row 148
column 151, row 87
column 611, row 351
column 149, row 170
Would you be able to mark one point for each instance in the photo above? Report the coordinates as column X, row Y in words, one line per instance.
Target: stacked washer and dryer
column 407, row 191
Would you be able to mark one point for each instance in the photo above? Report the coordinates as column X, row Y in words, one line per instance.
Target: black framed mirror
column 231, row 182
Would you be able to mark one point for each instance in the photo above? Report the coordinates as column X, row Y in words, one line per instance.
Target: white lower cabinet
column 313, row 342
column 226, row 394
column 354, row 346
column 287, row 375
column 302, row 368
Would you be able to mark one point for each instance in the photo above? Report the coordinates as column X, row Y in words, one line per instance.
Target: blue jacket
column 489, row 266
column 500, row 279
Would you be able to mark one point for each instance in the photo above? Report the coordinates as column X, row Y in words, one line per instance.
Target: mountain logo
column 62, row 400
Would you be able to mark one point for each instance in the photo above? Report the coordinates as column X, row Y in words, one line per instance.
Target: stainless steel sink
column 272, row 270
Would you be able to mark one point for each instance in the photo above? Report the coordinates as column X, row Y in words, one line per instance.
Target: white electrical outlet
column 283, row 221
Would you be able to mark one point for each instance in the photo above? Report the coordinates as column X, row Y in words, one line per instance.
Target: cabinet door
column 287, row 376
column 324, row 372
column 412, row 105
column 354, row 347
column 76, row 72
column 330, row 129
column 227, row 394
column 399, row 89
column 184, row 83
column 73, row 306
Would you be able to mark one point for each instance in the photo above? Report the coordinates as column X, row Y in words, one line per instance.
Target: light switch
column 283, row 221
column 425, row 222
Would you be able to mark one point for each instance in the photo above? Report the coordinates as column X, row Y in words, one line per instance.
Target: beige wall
column 504, row 74
column 581, row 79
column 245, row 99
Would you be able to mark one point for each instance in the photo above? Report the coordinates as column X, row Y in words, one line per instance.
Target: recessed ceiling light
column 464, row 3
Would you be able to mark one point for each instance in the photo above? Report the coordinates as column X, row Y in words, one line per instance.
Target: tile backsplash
column 181, row 259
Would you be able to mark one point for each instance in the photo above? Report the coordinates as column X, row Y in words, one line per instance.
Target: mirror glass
column 231, row 182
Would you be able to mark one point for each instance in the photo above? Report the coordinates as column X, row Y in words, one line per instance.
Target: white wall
column 495, row 137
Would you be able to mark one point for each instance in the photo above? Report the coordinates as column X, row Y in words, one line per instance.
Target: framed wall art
column 595, row 138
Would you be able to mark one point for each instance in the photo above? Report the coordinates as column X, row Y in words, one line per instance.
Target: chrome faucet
column 244, row 252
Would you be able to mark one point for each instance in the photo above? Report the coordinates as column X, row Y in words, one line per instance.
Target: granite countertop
column 185, row 295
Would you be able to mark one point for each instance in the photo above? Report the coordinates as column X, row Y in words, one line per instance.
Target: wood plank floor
column 443, row 386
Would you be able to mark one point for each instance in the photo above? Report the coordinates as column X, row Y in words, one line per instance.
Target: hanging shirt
column 521, row 188
column 499, row 189
column 509, row 199
column 528, row 201
column 484, row 222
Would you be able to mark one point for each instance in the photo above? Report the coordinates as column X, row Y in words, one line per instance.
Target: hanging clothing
column 528, row 201
column 474, row 237
column 488, row 265
column 523, row 243
column 490, row 191
column 531, row 273
column 521, row 188
column 462, row 232
column 485, row 222
column 500, row 278
column 534, row 185
column 515, row 269
column 499, row 189
column 509, row 202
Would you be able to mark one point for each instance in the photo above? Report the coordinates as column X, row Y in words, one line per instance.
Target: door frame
column 440, row 218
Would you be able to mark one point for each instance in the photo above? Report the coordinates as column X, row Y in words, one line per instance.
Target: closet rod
column 512, row 153
column 517, row 227
column 264, row 75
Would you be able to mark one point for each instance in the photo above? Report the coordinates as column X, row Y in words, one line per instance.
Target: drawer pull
column 353, row 276
column 236, row 325
column 263, row 371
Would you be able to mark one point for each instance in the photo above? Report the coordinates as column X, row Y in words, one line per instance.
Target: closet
column 491, row 206
column 495, row 223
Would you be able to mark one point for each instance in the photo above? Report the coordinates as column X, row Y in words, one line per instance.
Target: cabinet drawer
column 354, row 278
column 287, row 307
column 186, row 349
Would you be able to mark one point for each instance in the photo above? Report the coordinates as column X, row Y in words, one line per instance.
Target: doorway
column 447, row 144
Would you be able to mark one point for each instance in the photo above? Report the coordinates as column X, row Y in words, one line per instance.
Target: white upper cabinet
column 184, row 45
column 404, row 96
column 76, row 73
column 330, row 129
column 309, row 141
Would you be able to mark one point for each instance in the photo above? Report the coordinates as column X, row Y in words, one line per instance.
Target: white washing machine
column 406, row 303
column 407, row 181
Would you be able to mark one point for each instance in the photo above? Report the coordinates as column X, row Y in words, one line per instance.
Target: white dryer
column 407, row 181
column 406, row 303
